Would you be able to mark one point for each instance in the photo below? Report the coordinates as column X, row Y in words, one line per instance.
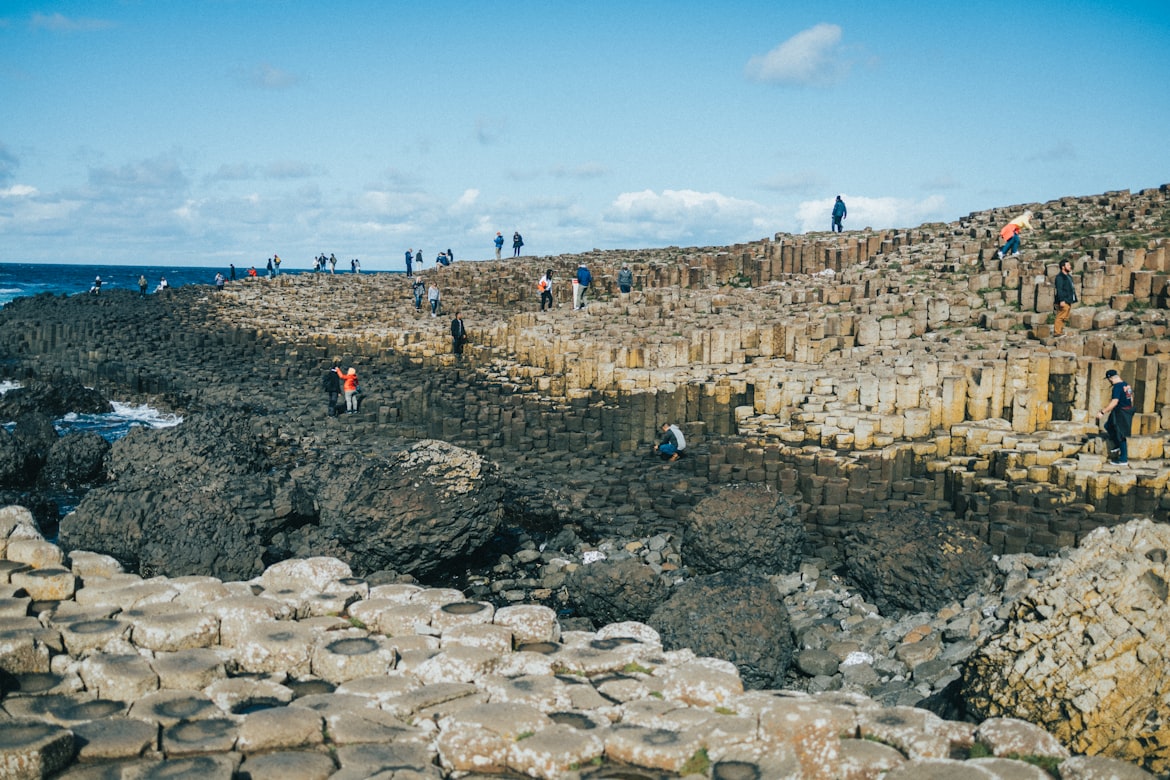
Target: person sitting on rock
column 673, row 442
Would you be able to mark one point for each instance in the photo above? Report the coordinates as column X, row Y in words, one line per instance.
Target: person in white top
column 673, row 442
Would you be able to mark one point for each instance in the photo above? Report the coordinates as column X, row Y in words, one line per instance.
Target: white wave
column 147, row 415
column 7, row 385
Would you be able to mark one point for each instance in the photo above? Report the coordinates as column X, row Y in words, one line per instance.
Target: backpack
column 542, row 285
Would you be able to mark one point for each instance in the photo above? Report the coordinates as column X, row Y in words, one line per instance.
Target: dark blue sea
column 20, row 279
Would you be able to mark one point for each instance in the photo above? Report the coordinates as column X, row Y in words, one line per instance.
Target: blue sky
column 216, row 131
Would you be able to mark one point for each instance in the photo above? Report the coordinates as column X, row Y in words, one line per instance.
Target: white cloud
column 467, row 199
column 18, row 191
column 685, row 217
column 885, row 212
column 267, row 76
column 811, row 57
column 57, row 22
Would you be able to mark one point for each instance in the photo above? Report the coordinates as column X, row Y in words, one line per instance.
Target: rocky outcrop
column 213, row 497
column 54, row 398
column 746, row 528
column 912, row 560
column 76, row 459
column 1083, row 654
column 738, row 617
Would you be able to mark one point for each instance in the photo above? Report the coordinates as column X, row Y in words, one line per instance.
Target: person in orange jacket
column 349, row 386
column 1011, row 235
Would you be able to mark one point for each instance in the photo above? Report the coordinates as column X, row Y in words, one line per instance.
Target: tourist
column 409, row 263
column 276, row 263
column 545, row 287
column 581, row 286
column 252, row 272
column 625, row 280
column 349, row 383
column 270, row 271
column 499, row 244
column 450, row 255
column 1119, row 414
column 433, row 298
column 331, row 383
column 517, row 242
column 142, row 284
column 1010, row 235
column 419, row 289
column 418, row 258
column 673, row 442
column 839, row 213
column 458, row 334
column 442, row 260
column 218, row 282
column 232, row 272
column 97, row 286
column 1066, row 296
column 332, row 263
column 163, row 285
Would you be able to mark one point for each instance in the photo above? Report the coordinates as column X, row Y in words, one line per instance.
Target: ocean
column 21, row 279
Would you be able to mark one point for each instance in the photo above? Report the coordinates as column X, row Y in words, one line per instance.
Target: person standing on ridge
column 232, row 271
column 276, row 263
column 499, row 244
column 1066, row 296
column 839, row 213
column 625, row 280
column 517, row 242
column 584, row 279
column 409, row 262
column 1010, row 235
column 545, row 287
column 270, row 268
column 458, row 334
column 1119, row 414
column 142, row 285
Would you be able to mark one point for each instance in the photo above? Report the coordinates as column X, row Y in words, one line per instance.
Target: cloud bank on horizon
column 370, row 128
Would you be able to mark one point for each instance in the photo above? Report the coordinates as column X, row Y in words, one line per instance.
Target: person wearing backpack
column 331, row 384
column 1119, row 417
column 545, row 288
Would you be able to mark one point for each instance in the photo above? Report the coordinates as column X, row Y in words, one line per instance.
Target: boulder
column 747, row 528
column 76, row 459
column 616, row 591
column 412, row 511
column 908, row 559
column 55, row 399
column 734, row 616
column 1083, row 653
column 18, row 461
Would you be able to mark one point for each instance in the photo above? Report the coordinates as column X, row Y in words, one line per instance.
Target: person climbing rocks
column 458, row 334
column 331, row 384
column 673, row 442
column 349, row 382
column 1010, row 235
column 1118, row 414
column 839, row 213
column 1066, row 296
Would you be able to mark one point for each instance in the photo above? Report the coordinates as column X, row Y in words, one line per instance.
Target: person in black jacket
column 458, row 334
column 1066, row 296
column 331, row 383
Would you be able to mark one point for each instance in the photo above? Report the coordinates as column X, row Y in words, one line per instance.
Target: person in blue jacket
column 499, row 244
column 584, row 279
column 839, row 213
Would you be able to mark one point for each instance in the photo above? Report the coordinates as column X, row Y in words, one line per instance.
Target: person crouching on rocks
column 349, row 382
column 673, row 442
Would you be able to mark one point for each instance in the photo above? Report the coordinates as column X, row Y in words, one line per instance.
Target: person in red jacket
column 349, row 386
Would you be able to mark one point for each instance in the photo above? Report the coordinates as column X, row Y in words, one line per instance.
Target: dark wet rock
column 911, row 560
column 55, row 399
column 411, row 512
column 746, row 528
column 18, row 463
column 77, row 458
column 616, row 591
column 737, row 617
column 212, row 496
column 36, row 431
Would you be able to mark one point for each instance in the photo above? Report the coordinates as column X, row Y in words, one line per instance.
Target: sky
column 205, row 132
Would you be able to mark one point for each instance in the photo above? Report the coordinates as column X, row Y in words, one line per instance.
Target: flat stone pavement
column 308, row 672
